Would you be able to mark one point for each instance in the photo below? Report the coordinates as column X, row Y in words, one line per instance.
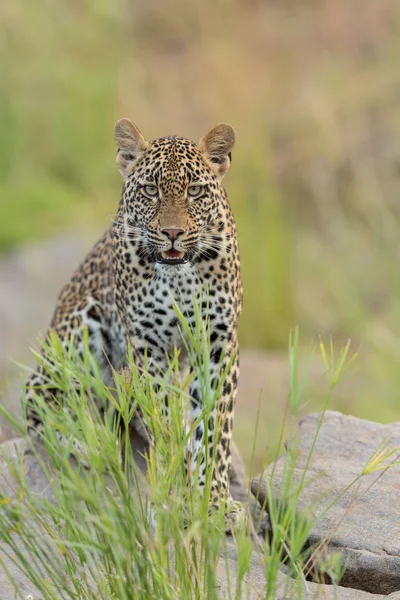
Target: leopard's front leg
column 149, row 363
column 215, row 449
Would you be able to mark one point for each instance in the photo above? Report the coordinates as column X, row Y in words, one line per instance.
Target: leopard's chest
column 152, row 306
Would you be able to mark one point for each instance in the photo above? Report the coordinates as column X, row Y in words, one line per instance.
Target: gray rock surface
column 254, row 583
column 364, row 523
column 255, row 587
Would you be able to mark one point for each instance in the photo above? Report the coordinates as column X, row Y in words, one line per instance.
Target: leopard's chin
column 172, row 257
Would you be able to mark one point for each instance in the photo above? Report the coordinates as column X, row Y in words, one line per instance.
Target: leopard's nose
column 172, row 234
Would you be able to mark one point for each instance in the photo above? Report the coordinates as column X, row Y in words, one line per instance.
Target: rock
column 364, row 523
column 287, row 589
column 254, row 582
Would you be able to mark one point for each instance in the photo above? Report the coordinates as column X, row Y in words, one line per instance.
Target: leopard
column 173, row 236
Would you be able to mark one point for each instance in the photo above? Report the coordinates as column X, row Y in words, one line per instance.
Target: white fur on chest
column 154, row 315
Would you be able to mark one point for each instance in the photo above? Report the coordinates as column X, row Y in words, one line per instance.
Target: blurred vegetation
column 313, row 91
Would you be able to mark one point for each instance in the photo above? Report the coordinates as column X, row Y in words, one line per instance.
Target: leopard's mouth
column 172, row 257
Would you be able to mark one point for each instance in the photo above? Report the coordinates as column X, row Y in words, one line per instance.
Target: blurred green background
column 313, row 91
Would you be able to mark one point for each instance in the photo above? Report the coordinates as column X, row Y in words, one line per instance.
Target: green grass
column 110, row 532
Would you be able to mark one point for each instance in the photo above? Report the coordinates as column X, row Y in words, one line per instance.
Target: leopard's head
column 173, row 200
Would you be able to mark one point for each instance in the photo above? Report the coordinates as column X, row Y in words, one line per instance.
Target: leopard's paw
column 236, row 516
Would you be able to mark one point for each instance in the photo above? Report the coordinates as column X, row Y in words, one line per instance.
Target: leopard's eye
column 195, row 191
column 151, row 191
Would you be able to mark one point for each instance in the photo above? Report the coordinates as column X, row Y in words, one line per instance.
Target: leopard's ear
column 131, row 146
column 216, row 147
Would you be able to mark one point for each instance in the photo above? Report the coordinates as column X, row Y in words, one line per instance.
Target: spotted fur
column 173, row 236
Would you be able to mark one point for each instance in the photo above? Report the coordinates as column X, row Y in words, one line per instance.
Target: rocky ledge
column 363, row 524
